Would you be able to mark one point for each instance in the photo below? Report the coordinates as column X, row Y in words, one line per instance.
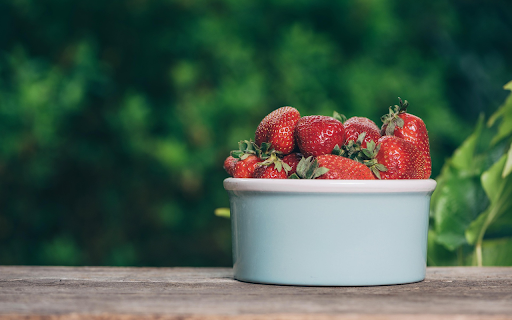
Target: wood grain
column 211, row 293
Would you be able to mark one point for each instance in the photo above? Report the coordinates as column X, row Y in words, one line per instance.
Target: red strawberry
column 317, row 135
column 229, row 165
column 410, row 128
column 277, row 128
column 343, row 168
column 401, row 158
column 357, row 125
column 292, row 160
column 244, row 168
column 269, row 172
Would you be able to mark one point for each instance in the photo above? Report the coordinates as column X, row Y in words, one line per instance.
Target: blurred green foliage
column 115, row 116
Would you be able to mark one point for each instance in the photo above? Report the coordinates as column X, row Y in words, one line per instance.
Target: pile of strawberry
column 289, row 146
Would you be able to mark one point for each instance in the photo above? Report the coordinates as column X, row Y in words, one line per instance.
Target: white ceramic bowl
column 329, row 232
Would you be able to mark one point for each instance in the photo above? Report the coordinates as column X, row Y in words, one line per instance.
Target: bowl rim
column 329, row 186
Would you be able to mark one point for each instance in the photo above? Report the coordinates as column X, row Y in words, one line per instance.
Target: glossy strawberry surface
column 229, row 165
column 318, row 135
column 357, row 125
column 415, row 131
column 245, row 168
column 343, row 168
column 269, row 172
column 402, row 159
column 410, row 128
column 278, row 128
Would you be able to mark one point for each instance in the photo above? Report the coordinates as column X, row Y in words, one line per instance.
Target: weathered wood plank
column 211, row 293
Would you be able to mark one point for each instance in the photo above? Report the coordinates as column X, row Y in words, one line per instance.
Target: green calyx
column 264, row 152
column 392, row 119
column 352, row 149
column 308, row 168
column 249, row 147
column 278, row 163
column 340, row 117
column 367, row 156
column 265, row 149
column 245, row 149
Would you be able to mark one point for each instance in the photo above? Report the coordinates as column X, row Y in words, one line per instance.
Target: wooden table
column 211, row 293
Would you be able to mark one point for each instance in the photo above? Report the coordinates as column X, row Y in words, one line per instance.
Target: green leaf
column 390, row 129
column 340, row 117
column 497, row 252
column 367, row 153
column 311, row 170
column 381, row 167
column 376, row 172
column 504, row 114
column 370, row 146
column 360, row 137
column 302, row 166
column 492, row 181
column 236, row 153
column 320, row 171
column 265, row 147
column 497, row 188
column 294, row 176
column 502, row 227
column 459, row 197
column 337, row 150
column 508, row 164
column 464, row 157
column 459, row 200
column 499, row 192
column 473, row 231
column 438, row 255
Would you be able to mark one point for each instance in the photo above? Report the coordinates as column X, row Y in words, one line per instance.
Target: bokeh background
column 116, row 116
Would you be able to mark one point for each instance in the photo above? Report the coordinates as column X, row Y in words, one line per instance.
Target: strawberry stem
column 392, row 119
column 403, row 105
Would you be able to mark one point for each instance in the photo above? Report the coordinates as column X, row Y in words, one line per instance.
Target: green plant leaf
column 464, row 158
column 311, row 170
column 508, row 164
column 497, row 252
column 492, row 181
column 502, row 227
column 337, row 150
column 438, row 255
column 340, row 117
column 475, row 227
column 499, row 192
column 320, row 171
column 302, row 166
column 459, row 200
column 504, row 114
